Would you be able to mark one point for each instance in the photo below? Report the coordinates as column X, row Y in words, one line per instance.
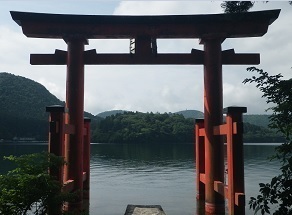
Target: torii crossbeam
column 212, row 30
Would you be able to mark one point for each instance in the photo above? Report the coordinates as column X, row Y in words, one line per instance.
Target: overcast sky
column 145, row 88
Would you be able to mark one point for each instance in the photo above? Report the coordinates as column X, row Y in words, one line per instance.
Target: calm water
column 152, row 174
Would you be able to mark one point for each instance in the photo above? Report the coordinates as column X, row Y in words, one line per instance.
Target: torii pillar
column 75, row 105
column 213, row 115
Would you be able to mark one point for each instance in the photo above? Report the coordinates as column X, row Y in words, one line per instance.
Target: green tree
column 278, row 92
column 279, row 191
column 131, row 127
column 239, row 6
column 29, row 188
column 236, row 6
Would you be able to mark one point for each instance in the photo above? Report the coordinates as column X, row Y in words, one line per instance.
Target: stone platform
column 144, row 210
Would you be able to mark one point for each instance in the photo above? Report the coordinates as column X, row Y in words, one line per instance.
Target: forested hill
column 137, row 127
column 24, row 98
column 22, row 108
column 255, row 119
column 193, row 114
column 110, row 112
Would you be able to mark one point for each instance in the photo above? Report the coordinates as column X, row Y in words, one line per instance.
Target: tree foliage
column 24, row 98
column 236, row 6
column 279, row 93
column 136, row 127
column 279, row 191
column 239, row 6
column 131, row 127
column 258, row 134
column 29, row 188
column 23, row 108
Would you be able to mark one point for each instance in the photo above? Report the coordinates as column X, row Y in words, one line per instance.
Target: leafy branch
column 279, row 191
column 29, row 188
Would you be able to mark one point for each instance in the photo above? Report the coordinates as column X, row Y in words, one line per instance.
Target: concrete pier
column 144, row 210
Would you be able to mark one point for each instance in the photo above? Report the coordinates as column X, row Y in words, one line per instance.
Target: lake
column 163, row 174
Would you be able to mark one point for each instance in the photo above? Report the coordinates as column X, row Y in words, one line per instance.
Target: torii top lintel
column 41, row 25
column 145, row 30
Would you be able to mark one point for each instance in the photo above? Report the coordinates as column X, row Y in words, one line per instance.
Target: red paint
column 42, row 25
column 56, row 136
column 213, row 107
column 235, row 159
column 75, row 105
column 200, row 159
column 56, row 141
column 234, row 190
column 86, row 158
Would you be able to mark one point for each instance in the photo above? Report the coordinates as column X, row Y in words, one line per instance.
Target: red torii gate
column 212, row 30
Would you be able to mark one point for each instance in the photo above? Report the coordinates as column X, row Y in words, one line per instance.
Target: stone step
column 144, row 210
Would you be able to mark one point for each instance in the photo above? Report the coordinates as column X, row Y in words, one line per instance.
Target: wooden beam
column 158, row 59
column 229, row 57
column 220, row 129
column 92, row 58
column 68, row 186
column 240, row 199
column 42, row 25
column 58, row 58
column 221, row 188
column 202, row 132
column 203, row 178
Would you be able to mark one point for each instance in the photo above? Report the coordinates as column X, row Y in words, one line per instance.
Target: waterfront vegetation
column 278, row 192
column 29, row 188
column 135, row 127
column 277, row 92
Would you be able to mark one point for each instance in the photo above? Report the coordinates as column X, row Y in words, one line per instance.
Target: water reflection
column 17, row 150
column 124, row 174
column 144, row 151
column 258, row 168
column 142, row 174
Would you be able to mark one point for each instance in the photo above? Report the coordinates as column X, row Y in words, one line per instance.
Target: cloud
column 54, row 88
column 166, row 7
column 238, row 95
column 11, row 46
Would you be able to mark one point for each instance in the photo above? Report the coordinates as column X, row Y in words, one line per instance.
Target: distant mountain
column 110, row 112
column 24, row 98
column 22, row 108
column 194, row 114
column 185, row 113
column 257, row 119
column 259, row 134
column 137, row 127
